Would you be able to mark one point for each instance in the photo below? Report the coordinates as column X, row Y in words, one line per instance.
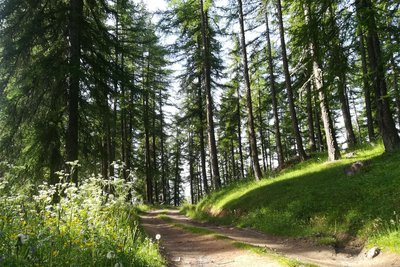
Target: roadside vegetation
column 316, row 199
column 69, row 225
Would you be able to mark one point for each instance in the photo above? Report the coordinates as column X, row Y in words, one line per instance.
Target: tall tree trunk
column 332, row 145
column 270, row 151
column 320, row 138
column 163, row 174
column 201, row 137
column 333, row 149
column 106, row 142
column 366, row 15
column 209, row 101
column 149, row 178
column 129, row 133
column 344, row 106
column 396, row 87
column 74, row 30
column 198, row 184
column 250, row 116
column 339, row 69
column 234, row 168
column 295, row 123
column 177, row 174
column 154, row 151
column 278, row 139
column 191, row 169
column 310, row 118
column 239, row 125
column 353, row 102
column 261, row 130
column 367, row 87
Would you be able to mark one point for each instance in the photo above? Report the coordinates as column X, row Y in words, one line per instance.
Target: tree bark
column 209, row 101
column 278, row 138
column 239, row 125
column 339, row 68
column 250, row 118
column 333, row 148
column 310, row 118
column 295, row 123
column 177, row 173
column 234, row 169
column 344, row 106
column 201, row 137
column 320, row 138
column 191, row 168
column 261, row 131
column 163, row 175
column 366, row 14
column 396, row 87
column 367, row 88
column 154, row 150
column 149, row 178
column 74, row 31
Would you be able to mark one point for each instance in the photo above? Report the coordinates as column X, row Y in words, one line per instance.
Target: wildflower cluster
column 90, row 224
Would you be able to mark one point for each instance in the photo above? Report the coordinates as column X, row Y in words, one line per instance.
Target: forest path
column 183, row 248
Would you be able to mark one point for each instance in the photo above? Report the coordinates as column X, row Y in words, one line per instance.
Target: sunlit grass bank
column 316, row 199
column 87, row 227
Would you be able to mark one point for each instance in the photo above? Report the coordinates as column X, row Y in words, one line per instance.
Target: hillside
column 316, row 199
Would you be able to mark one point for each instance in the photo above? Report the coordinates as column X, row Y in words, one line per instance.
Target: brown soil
column 182, row 248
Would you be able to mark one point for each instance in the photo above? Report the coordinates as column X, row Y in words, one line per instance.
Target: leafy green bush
column 86, row 226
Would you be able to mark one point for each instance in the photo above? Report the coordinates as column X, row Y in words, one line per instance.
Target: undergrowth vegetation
column 87, row 225
column 316, row 199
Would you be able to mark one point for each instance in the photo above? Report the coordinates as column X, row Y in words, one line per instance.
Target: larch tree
column 367, row 19
column 212, row 146
column 249, row 102
column 332, row 145
column 285, row 63
column 273, row 90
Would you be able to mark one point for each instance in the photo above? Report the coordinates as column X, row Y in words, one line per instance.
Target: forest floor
column 185, row 242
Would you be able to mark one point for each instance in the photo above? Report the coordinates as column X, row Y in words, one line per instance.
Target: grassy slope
column 316, row 199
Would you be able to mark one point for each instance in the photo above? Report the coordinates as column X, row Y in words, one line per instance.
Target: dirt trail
column 182, row 248
column 186, row 249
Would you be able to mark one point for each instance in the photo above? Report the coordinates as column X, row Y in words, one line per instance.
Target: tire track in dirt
column 182, row 248
column 295, row 248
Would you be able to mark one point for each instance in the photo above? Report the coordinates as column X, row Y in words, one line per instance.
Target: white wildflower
column 22, row 238
column 158, row 236
column 111, row 255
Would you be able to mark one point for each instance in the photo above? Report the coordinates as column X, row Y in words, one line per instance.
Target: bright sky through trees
column 154, row 5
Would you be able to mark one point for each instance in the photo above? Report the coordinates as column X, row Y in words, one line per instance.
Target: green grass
column 279, row 258
column 316, row 199
column 186, row 227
